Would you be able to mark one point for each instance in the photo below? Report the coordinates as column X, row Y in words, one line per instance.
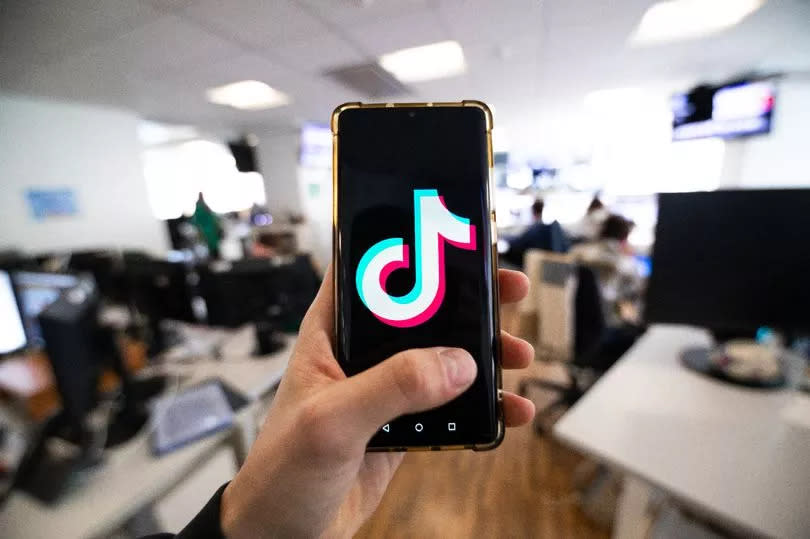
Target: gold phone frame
column 493, row 258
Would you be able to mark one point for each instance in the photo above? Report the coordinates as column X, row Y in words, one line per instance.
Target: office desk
column 737, row 454
column 131, row 478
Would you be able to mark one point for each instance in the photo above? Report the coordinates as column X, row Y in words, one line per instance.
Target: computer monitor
column 257, row 290
column 13, row 260
column 239, row 292
column 69, row 329
column 12, row 331
column 106, row 268
column 36, row 291
column 732, row 261
column 158, row 288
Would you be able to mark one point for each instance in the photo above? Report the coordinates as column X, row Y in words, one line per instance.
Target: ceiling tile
column 418, row 28
column 256, row 23
column 490, row 21
column 81, row 77
column 350, row 13
column 42, row 32
column 592, row 13
column 167, row 45
column 244, row 66
column 481, row 55
column 320, row 54
column 449, row 89
column 169, row 6
column 159, row 56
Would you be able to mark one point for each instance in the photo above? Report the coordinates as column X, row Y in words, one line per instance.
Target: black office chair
column 596, row 349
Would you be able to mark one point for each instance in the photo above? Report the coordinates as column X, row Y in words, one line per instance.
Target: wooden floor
column 524, row 488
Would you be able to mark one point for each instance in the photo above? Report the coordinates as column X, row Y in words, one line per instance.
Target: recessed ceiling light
column 247, row 95
column 675, row 20
column 434, row 61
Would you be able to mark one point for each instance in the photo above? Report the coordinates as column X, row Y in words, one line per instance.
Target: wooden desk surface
column 27, row 380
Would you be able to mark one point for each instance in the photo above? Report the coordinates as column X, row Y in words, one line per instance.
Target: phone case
column 494, row 255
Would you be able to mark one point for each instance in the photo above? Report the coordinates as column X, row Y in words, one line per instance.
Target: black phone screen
column 414, row 259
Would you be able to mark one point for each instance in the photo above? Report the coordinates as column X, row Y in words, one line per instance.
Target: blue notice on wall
column 46, row 203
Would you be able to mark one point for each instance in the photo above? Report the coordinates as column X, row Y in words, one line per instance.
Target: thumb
column 410, row 381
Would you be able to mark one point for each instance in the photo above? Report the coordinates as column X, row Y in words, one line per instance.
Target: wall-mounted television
column 737, row 109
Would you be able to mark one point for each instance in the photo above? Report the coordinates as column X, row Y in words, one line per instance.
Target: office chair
column 593, row 346
column 552, row 341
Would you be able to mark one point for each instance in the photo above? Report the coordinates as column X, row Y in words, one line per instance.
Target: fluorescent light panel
column 428, row 62
column 676, row 20
column 247, row 95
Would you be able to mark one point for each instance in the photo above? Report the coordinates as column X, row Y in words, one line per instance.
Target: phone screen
column 414, row 260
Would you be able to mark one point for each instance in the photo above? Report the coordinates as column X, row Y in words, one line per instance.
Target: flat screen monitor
column 12, row 332
column 734, row 110
column 36, row 292
column 159, row 288
column 244, row 155
column 732, row 260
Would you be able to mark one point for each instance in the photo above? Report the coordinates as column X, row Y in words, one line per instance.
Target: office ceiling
column 157, row 57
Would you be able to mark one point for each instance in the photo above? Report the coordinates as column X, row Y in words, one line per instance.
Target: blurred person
column 207, row 222
column 611, row 257
column 308, row 473
column 235, row 232
column 589, row 227
column 538, row 235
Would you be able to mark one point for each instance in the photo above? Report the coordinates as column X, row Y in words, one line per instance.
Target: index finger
column 321, row 314
column 512, row 285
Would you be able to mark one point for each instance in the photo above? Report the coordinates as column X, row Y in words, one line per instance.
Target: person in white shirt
column 616, row 269
column 589, row 227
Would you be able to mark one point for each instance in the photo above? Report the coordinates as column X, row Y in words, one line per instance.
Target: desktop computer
column 239, row 292
column 68, row 327
column 36, row 291
column 78, row 348
column 732, row 262
column 13, row 260
column 273, row 294
column 106, row 267
column 158, row 290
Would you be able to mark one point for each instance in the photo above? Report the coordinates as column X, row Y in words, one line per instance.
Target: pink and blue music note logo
column 434, row 225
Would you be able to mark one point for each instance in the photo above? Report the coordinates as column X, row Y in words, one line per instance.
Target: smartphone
column 414, row 244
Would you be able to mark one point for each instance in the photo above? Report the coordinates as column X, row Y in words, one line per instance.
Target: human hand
column 308, row 473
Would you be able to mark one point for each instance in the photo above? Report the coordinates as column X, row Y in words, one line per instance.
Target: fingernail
column 459, row 366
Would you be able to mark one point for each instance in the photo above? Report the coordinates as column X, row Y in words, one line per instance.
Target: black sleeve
column 205, row 524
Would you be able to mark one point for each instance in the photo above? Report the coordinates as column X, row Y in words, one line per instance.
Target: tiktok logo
column 434, row 225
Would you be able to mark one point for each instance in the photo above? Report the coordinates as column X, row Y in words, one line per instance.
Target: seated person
column 538, row 236
column 616, row 269
column 588, row 228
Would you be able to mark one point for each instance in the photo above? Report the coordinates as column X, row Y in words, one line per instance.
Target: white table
column 131, row 479
column 739, row 455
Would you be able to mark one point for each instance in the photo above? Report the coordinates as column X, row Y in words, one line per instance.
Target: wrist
column 229, row 512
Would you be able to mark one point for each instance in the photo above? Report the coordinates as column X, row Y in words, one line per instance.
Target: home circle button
column 418, row 427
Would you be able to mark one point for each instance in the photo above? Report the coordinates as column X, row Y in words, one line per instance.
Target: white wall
column 782, row 158
column 638, row 146
column 292, row 188
column 278, row 162
column 91, row 150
